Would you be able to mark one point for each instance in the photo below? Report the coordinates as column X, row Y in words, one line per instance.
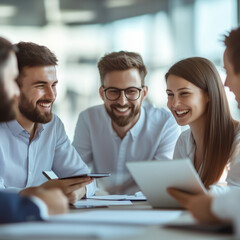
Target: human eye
column 169, row 94
column 54, row 84
column 184, row 93
column 132, row 91
column 112, row 91
column 40, row 86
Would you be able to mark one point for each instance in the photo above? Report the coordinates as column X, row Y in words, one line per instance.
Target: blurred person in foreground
column 41, row 202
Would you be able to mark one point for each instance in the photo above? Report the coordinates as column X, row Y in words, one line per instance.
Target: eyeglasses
column 131, row 93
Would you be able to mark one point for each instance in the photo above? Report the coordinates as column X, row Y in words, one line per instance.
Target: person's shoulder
column 157, row 112
column 55, row 122
column 94, row 109
column 185, row 135
column 93, row 113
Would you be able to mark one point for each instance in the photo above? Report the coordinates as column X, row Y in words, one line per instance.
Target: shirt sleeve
column 67, row 162
column 43, row 209
column 169, row 136
column 178, row 150
column 82, row 141
column 226, row 207
column 233, row 176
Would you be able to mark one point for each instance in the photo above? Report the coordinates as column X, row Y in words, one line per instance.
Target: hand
column 55, row 200
column 73, row 188
column 199, row 205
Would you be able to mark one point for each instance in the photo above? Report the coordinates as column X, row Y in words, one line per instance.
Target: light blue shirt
column 22, row 163
column 153, row 137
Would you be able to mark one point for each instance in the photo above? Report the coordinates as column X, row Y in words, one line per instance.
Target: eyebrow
column 179, row 89
column 42, row 82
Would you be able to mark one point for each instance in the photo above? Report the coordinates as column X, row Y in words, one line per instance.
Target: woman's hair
column 219, row 125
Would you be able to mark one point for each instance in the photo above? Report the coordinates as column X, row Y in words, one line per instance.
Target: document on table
column 88, row 203
column 136, row 197
column 147, row 217
column 64, row 230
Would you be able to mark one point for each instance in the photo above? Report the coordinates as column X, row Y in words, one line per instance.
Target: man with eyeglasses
column 124, row 128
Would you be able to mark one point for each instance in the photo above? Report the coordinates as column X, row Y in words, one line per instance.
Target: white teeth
column 182, row 112
column 46, row 105
column 122, row 109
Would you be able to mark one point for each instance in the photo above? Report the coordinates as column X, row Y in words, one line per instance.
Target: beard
column 32, row 113
column 7, row 112
column 123, row 121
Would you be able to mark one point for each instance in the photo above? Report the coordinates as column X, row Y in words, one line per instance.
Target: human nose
column 226, row 83
column 51, row 93
column 175, row 101
column 122, row 99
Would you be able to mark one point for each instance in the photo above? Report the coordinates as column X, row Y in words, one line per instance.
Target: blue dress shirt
column 153, row 137
column 22, row 162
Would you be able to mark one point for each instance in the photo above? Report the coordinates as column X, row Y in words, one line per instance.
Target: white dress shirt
column 153, row 137
column 22, row 162
column 185, row 148
column 226, row 207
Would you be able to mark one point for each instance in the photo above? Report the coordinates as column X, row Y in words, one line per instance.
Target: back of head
column 121, row 61
column 7, row 112
column 32, row 55
column 5, row 49
column 232, row 42
column 219, row 129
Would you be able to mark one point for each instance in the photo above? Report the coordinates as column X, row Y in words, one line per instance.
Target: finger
column 180, row 196
column 72, row 197
column 74, row 187
column 72, row 181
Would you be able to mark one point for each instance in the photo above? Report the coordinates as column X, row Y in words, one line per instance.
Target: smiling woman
column 196, row 97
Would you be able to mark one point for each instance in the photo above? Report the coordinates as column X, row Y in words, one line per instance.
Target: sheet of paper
column 120, row 197
column 41, row 229
column 96, row 203
column 147, row 217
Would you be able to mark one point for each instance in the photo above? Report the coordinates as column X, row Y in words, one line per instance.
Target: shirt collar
column 17, row 129
column 137, row 128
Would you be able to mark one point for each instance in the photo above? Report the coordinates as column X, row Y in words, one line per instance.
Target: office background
column 79, row 32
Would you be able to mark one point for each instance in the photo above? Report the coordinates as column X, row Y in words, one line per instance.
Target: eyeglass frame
column 124, row 90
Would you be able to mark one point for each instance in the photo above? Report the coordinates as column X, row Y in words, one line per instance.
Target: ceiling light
column 7, row 11
column 119, row 3
column 78, row 16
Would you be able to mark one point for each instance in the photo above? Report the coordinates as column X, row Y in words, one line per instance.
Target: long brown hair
column 219, row 125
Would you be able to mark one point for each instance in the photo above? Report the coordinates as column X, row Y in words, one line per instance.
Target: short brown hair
column 32, row 55
column 120, row 61
column 232, row 42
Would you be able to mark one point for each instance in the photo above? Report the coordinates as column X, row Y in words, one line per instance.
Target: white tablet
column 154, row 177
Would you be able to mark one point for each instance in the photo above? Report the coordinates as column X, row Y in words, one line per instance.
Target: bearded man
column 36, row 141
column 124, row 128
